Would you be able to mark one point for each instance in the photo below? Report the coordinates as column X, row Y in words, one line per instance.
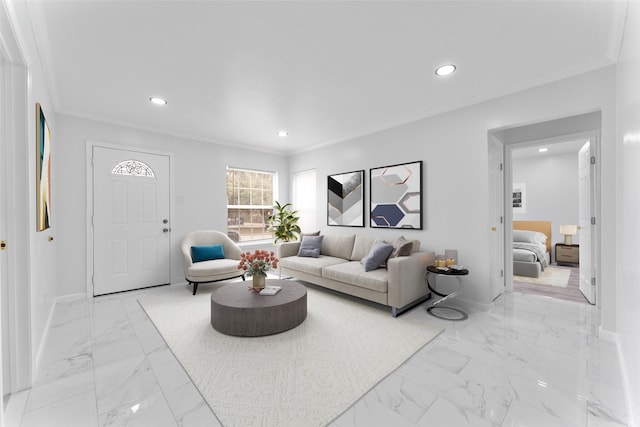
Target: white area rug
column 551, row 276
column 306, row 376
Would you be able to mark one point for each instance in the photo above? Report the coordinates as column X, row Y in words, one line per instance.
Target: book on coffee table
column 270, row 290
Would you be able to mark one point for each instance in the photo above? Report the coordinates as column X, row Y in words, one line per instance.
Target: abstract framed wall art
column 345, row 199
column 519, row 198
column 43, row 171
column 396, row 196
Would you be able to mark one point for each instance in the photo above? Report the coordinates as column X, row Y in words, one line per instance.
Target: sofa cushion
column 310, row 246
column 362, row 246
column 310, row 265
column 376, row 256
column 218, row 266
column 353, row 273
column 337, row 245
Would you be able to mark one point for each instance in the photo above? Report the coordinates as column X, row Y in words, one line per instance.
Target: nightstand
column 567, row 254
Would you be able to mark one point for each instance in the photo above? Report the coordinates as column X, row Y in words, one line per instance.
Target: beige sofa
column 400, row 285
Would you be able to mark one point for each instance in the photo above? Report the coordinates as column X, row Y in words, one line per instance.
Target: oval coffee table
column 238, row 311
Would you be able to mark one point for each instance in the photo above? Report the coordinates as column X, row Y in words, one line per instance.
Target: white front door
column 585, row 203
column 131, row 224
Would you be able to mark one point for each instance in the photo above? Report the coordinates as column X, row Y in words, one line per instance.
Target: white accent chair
column 211, row 270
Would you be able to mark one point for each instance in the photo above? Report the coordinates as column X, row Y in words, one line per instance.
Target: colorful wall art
column 345, row 199
column 43, row 171
column 396, row 196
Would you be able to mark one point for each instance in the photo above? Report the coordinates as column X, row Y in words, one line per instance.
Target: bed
column 531, row 247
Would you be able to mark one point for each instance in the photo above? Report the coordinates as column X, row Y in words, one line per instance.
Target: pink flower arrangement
column 258, row 263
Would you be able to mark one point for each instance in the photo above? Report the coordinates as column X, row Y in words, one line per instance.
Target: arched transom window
column 133, row 168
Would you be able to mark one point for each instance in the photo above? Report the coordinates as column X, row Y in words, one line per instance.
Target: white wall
column 200, row 187
column 453, row 147
column 628, row 232
column 551, row 190
column 42, row 265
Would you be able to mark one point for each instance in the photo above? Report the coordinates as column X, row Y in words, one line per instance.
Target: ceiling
column 553, row 149
column 237, row 72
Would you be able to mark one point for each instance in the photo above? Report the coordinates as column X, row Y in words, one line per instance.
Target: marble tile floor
column 528, row 361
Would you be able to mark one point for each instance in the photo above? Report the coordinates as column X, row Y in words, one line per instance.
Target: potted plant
column 284, row 223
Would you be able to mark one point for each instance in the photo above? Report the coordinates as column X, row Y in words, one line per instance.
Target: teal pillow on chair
column 206, row 253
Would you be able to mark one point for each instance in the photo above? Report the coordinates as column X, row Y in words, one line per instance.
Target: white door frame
column 16, row 174
column 497, row 222
column 508, row 214
column 89, row 207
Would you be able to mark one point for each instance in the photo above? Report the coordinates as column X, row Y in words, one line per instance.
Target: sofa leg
column 395, row 311
column 243, row 279
column 195, row 288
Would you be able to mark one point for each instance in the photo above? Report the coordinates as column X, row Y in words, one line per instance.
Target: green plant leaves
column 284, row 223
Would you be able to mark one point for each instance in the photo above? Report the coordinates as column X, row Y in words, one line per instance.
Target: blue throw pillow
column 376, row 256
column 207, row 253
column 310, row 246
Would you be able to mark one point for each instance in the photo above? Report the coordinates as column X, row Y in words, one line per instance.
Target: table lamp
column 569, row 230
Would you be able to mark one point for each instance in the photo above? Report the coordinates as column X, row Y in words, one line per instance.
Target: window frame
column 265, row 209
column 133, row 167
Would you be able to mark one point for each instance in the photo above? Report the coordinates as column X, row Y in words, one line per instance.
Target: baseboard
column 45, row 336
column 47, row 326
column 479, row 306
column 607, row 335
column 70, row 297
column 626, row 386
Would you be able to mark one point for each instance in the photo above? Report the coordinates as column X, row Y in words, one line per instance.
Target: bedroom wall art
column 43, row 171
column 345, row 199
column 396, row 196
column 519, row 198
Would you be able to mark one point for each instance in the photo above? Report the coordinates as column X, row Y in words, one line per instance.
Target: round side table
column 436, row 309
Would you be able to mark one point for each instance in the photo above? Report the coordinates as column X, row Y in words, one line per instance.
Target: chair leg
column 195, row 288
column 243, row 279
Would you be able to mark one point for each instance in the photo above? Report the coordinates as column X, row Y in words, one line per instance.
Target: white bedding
column 524, row 255
column 530, row 256
column 536, row 253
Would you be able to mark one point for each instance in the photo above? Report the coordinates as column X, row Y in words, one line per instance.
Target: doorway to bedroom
column 561, row 189
column 546, row 200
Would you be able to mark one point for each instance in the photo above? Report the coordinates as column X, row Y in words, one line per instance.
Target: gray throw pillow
column 310, row 246
column 376, row 256
column 401, row 247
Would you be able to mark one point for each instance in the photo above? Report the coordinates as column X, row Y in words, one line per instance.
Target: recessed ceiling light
column 283, row 133
column 543, row 150
column 158, row 101
column 445, row 70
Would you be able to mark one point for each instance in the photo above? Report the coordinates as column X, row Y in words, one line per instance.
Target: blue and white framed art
column 345, row 199
column 396, row 196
